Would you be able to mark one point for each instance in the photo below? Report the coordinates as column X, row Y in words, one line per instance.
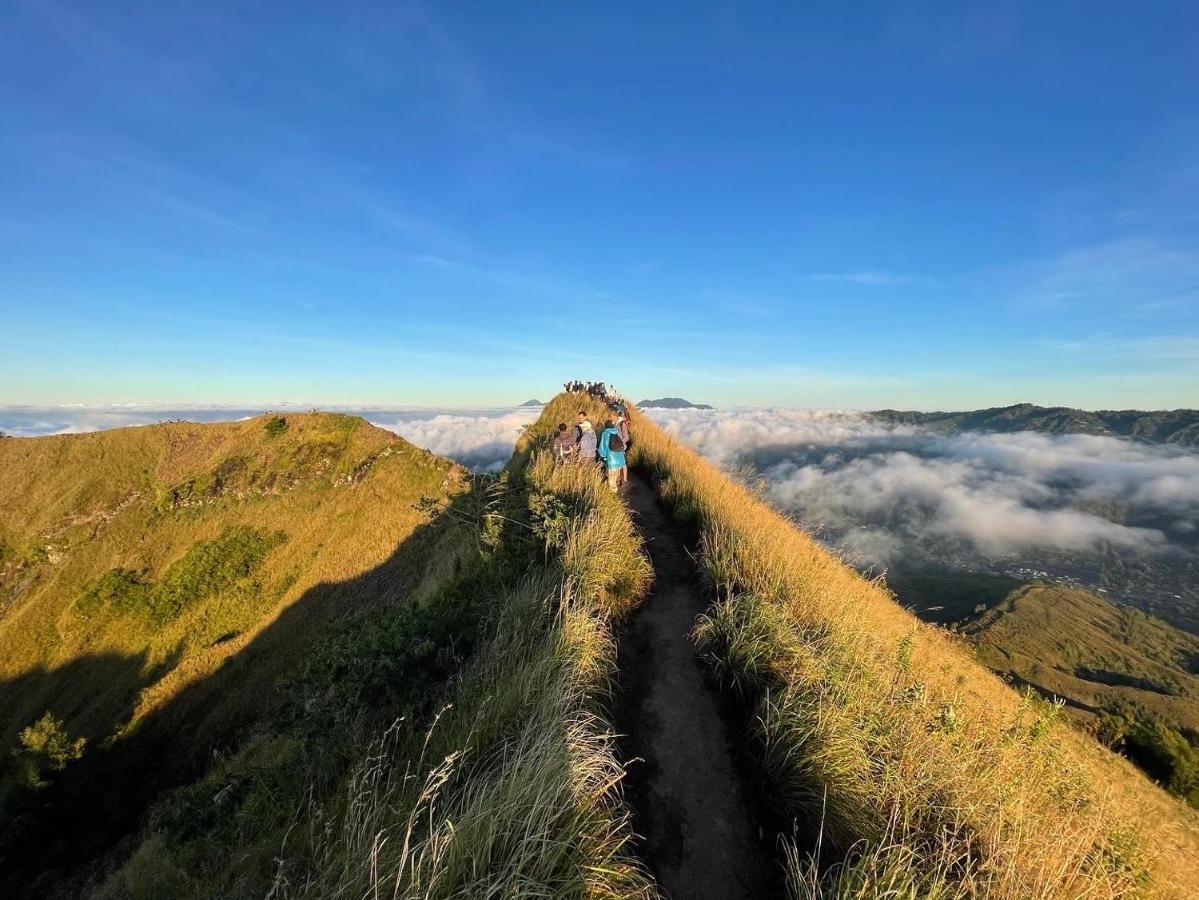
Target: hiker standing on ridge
column 564, row 444
column 622, row 427
column 584, row 440
column 611, row 451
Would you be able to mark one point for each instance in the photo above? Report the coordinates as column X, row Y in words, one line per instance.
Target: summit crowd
column 583, row 445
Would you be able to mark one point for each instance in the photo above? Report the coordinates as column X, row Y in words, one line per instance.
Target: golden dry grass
column 887, row 729
column 72, row 507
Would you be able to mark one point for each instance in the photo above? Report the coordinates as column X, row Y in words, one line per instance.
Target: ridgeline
column 1173, row 426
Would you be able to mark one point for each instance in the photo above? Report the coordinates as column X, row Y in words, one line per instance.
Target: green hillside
column 142, row 568
column 1128, row 678
column 157, row 552
column 1178, row 426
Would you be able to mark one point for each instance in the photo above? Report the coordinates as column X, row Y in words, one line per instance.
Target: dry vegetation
column 513, row 789
column 924, row 773
column 144, row 567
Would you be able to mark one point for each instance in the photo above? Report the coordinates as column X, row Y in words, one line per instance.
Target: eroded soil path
column 692, row 807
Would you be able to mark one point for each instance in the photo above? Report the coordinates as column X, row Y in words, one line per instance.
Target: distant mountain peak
column 672, row 403
column 532, row 403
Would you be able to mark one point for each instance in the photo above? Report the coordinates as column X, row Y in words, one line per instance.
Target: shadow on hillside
column 91, row 694
column 52, row 840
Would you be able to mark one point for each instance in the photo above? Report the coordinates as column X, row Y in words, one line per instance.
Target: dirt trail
column 699, row 835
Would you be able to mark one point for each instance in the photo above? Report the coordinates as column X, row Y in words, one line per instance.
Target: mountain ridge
column 672, row 403
column 1177, row 426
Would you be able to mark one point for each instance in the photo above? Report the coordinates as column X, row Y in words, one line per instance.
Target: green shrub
column 395, row 663
column 1165, row 754
column 151, row 873
column 206, row 569
column 45, row 747
column 121, row 590
column 275, row 426
column 211, row 566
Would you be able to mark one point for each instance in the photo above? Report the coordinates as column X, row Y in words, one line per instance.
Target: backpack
column 615, row 443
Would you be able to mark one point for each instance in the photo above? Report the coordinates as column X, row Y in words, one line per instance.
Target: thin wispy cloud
column 1174, row 348
column 866, row 278
column 1126, row 273
column 435, row 239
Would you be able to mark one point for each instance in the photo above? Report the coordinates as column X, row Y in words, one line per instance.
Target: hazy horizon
column 35, row 420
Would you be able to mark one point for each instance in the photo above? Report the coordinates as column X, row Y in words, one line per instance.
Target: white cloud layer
column 884, row 489
column 480, row 438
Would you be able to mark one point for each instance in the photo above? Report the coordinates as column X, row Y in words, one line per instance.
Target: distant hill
column 1178, row 426
column 672, row 403
column 532, row 403
column 1126, row 677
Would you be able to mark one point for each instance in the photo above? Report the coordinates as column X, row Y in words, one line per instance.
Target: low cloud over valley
column 1107, row 513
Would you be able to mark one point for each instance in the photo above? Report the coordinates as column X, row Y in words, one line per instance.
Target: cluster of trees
column 1167, row 754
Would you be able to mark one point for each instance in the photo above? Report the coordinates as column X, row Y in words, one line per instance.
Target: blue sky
column 864, row 205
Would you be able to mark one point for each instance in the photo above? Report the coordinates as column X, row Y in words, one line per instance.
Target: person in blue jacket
column 611, row 451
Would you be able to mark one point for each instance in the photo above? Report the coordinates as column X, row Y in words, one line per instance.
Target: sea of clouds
column 885, row 491
column 480, row 438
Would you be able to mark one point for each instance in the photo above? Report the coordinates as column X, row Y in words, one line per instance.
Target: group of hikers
column 596, row 389
column 582, row 446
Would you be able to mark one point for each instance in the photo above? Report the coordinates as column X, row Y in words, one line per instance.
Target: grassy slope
column 1090, row 651
column 1126, row 677
column 335, row 498
column 883, row 730
column 342, row 492
column 456, row 748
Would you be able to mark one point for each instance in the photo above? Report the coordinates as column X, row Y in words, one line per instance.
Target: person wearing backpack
column 622, row 425
column 611, row 451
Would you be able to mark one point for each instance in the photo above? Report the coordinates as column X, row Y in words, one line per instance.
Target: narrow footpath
column 698, row 833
